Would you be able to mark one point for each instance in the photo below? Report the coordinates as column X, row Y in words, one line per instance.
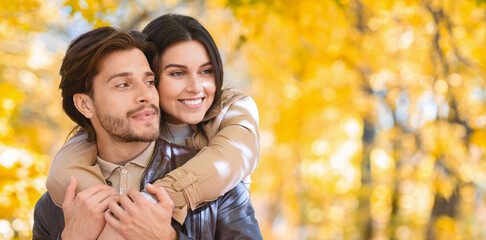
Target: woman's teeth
column 192, row 102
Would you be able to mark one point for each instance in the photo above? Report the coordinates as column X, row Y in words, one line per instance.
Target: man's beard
column 120, row 129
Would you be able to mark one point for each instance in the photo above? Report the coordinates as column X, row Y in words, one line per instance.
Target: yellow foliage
column 479, row 138
column 92, row 10
column 446, row 228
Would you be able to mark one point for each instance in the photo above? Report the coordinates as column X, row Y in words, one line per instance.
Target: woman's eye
column 207, row 71
column 177, row 74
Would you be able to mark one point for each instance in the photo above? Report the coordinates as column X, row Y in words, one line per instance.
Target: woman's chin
column 193, row 120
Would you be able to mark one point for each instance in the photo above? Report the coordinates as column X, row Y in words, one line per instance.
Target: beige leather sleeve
column 76, row 158
column 231, row 155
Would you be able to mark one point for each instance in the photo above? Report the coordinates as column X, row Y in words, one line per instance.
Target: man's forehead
column 123, row 63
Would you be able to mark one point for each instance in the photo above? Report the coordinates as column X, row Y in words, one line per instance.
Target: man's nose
column 145, row 93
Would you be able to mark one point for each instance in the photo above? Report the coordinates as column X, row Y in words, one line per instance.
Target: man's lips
column 146, row 115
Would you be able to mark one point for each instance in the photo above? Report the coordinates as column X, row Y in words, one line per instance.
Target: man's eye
column 151, row 82
column 122, row 85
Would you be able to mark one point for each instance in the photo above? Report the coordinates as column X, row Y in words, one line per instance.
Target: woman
column 222, row 123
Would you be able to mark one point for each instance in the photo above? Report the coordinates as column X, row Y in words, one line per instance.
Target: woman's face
column 186, row 84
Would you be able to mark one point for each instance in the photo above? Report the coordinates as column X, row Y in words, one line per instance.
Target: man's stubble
column 119, row 128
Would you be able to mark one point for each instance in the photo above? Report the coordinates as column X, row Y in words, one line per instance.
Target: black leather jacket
column 229, row 217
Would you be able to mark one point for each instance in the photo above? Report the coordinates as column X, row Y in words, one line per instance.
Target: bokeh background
column 372, row 111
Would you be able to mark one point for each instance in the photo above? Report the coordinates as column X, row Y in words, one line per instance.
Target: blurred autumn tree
column 372, row 117
column 30, row 117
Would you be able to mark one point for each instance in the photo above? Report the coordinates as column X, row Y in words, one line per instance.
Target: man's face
column 125, row 99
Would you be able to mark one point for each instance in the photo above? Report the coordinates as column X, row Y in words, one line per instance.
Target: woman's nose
column 194, row 84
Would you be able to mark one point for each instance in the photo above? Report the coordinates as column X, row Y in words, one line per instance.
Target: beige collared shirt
column 127, row 176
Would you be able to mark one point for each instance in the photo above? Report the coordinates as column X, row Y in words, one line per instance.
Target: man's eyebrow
column 122, row 74
column 128, row 74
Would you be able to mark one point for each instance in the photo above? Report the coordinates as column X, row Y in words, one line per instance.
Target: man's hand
column 138, row 218
column 83, row 213
column 108, row 233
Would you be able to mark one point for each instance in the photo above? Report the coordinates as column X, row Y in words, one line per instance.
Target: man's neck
column 114, row 151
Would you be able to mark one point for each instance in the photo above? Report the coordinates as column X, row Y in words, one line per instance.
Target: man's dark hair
column 169, row 29
column 81, row 64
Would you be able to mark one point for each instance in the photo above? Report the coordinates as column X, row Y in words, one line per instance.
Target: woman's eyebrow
column 174, row 65
column 205, row 64
column 182, row 66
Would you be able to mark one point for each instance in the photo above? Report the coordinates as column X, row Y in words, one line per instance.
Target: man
column 109, row 90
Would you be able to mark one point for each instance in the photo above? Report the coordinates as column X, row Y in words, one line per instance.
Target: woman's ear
column 84, row 104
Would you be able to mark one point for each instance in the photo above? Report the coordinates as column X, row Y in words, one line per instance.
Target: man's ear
column 84, row 104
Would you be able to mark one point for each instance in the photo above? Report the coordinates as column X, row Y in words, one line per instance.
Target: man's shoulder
column 48, row 218
column 230, row 214
column 228, row 202
column 45, row 202
column 234, row 199
column 46, row 208
column 239, row 192
column 235, row 215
